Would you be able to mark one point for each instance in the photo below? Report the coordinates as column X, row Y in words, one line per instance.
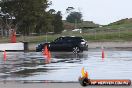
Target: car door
column 56, row 45
column 66, row 46
column 62, row 44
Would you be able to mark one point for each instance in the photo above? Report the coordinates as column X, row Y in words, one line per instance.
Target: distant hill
column 88, row 25
column 122, row 21
column 123, row 24
column 68, row 26
column 82, row 25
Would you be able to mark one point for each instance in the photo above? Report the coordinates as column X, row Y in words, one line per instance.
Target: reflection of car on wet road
column 66, row 44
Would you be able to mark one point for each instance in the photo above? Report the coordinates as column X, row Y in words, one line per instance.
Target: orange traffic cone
column 103, row 54
column 45, row 50
column 49, row 55
column 13, row 37
column 4, row 55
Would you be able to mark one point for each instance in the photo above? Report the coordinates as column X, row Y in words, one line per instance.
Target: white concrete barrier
column 11, row 46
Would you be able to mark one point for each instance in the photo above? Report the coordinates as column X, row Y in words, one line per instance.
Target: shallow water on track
column 65, row 66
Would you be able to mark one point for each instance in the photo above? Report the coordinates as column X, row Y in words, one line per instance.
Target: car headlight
column 82, row 43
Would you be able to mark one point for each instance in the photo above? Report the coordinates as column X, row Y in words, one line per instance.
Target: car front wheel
column 76, row 50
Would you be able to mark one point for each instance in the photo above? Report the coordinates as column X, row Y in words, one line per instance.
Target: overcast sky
column 99, row 11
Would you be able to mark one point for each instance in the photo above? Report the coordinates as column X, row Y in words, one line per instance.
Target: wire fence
column 89, row 34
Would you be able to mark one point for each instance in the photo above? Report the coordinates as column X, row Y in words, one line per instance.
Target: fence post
column 25, row 46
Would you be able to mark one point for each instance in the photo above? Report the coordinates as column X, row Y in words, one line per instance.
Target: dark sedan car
column 66, row 44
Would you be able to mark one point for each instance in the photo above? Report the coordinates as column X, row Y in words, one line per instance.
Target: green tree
column 26, row 12
column 69, row 9
column 74, row 17
column 52, row 11
column 44, row 24
column 57, row 23
column 6, row 23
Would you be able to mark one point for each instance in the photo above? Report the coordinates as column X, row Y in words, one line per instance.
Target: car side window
column 59, row 40
column 69, row 40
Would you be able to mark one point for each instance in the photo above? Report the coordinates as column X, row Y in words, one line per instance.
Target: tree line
column 30, row 16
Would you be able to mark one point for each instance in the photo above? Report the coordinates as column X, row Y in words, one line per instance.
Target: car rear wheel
column 76, row 50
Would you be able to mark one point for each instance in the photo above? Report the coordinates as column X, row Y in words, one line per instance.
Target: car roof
column 70, row 37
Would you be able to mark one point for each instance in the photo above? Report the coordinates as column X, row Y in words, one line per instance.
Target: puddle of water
column 66, row 66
